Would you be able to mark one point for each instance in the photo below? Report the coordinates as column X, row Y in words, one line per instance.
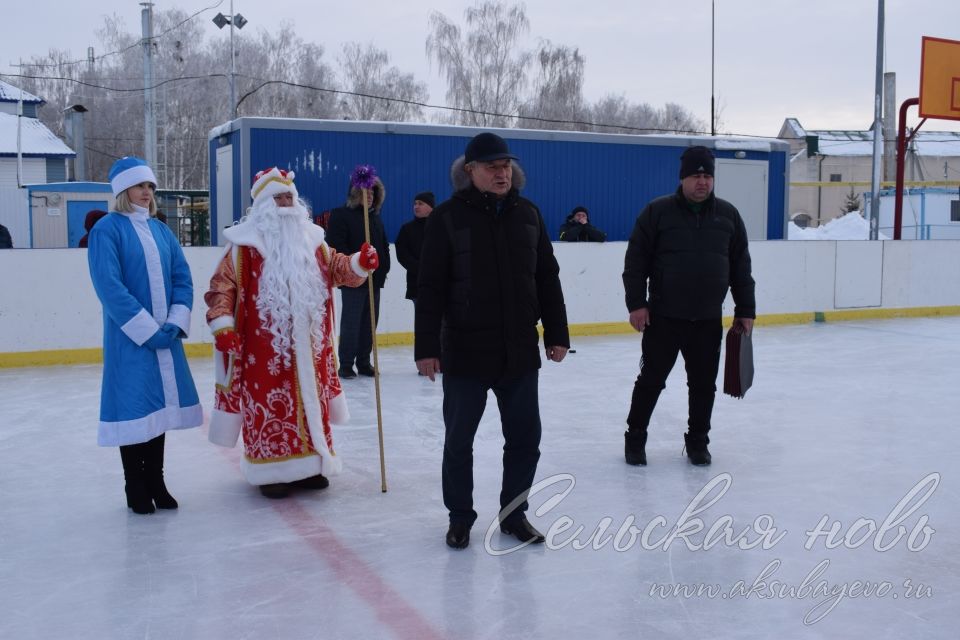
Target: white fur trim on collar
column 245, row 234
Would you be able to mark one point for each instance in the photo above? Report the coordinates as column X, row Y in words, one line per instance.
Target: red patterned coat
column 284, row 413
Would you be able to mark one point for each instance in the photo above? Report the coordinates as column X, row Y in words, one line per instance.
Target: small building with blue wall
column 613, row 175
column 38, row 157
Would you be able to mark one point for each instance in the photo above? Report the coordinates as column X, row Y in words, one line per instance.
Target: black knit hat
column 487, row 147
column 426, row 197
column 696, row 160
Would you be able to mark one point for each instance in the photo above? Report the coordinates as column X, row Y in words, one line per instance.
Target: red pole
column 902, row 141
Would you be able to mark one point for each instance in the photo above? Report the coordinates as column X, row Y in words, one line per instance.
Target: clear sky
column 809, row 59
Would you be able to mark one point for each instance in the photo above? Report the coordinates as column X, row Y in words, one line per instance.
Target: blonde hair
column 123, row 204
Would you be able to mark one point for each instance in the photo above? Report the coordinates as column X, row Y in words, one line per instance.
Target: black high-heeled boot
column 131, row 456
column 153, row 474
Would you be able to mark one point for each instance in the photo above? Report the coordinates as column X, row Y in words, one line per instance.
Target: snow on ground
column 851, row 226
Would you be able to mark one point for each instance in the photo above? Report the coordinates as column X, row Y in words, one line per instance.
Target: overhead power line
column 264, row 83
column 125, row 49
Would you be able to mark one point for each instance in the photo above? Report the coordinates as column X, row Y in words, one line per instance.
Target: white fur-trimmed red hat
column 271, row 182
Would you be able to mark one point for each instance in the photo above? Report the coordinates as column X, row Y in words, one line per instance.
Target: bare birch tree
column 615, row 114
column 557, row 96
column 484, row 65
column 365, row 72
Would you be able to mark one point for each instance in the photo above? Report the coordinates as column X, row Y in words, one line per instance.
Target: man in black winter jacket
column 487, row 276
column 689, row 248
column 577, row 228
column 345, row 233
column 410, row 240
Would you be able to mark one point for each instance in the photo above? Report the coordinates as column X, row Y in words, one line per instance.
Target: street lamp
column 234, row 20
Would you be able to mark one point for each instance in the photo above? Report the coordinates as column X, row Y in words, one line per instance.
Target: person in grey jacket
column 689, row 248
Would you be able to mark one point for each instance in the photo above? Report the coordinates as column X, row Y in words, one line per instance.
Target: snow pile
column 850, row 226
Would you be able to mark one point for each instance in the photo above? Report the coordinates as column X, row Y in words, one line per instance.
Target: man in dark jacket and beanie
column 410, row 240
column 577, row 228
column 345, row 233
column 487, row 276
column 690, row 248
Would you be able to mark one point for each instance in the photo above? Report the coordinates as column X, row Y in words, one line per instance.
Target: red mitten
column 369, row 260
column 227, row 341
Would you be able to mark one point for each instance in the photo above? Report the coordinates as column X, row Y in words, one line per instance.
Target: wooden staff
column 364, row 177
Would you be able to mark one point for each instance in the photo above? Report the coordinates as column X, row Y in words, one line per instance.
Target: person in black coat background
column 93, row 216
column 6, row 242
column 410, row 240
column 345, row 233
column 689, row 248
column 577, row 228
column 487, row 277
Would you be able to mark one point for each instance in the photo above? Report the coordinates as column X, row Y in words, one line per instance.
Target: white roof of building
column 860, row 143
column 35, row 138
column 10, row 93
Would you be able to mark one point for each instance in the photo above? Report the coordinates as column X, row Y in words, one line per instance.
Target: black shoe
column 138, row 500
column 313, row 482
column 697, row 450
column 162, row 497
column 153, row 474
column 275, row 491
column 346, row 373
column 522, row 530
column 365, row 369
column 634, row 447
column 458, row 535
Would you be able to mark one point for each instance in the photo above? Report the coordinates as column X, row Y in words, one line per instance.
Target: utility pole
column 889, row 127
column 234, row 20
column 877, row 131
column 19, row 138
column 713, row 118
column 233, row 68
column 149, row 102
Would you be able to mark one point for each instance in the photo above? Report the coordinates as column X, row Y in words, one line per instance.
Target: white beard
column 293, row 292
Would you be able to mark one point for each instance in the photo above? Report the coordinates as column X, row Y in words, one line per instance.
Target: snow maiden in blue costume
column 143, row 281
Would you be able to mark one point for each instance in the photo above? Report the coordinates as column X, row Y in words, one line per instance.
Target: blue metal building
column 614, row 176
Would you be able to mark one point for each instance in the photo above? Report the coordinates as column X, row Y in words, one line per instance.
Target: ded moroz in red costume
column 277, row 381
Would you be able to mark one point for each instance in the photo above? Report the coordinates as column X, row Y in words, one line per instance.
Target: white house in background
column 44, row 158
column 847, row 156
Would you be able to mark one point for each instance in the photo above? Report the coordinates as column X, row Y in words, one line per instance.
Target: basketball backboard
column 940, row 79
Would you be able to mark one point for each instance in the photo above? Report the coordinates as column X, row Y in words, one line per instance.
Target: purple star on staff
column 363, row 177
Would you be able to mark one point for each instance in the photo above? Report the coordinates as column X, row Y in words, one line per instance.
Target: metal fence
column 187, row 214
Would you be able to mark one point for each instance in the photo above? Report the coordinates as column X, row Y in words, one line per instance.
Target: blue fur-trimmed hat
column 129, row 171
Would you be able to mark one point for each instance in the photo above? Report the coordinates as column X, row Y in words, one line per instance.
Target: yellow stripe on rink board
column 879, row 314
column 15, row 359
column 79, row 356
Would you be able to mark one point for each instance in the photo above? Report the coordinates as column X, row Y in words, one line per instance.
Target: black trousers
column 464, row 400
column 356, row 339
column 699, row 342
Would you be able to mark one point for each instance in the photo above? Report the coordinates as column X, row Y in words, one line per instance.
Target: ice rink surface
column 838, row 472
